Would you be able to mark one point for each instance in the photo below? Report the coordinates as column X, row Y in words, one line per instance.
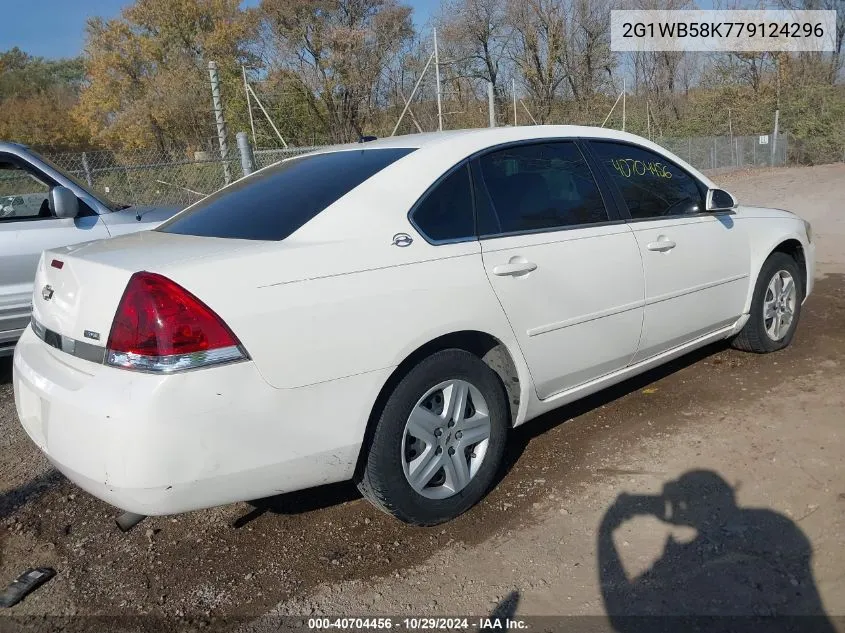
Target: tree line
column 329, row 71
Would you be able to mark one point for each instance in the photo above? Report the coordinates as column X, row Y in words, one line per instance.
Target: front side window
column 23, row 196
column 445, row 213
column 537, row 187
column 274, row 202
column 651, row 186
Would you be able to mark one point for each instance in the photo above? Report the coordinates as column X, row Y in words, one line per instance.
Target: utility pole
column 437, row 75
column 221, row 122
column 513, row 90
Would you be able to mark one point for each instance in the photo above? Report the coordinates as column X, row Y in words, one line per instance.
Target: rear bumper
column 166, row 444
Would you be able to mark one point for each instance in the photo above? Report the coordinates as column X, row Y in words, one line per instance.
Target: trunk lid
column 77, row 288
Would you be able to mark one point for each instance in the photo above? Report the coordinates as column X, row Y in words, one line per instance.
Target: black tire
column 753, row 337
column 382, row 480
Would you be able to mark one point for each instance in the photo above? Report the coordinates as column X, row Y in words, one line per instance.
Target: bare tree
column 661, row 72
column 475, row 37
column 339, row 50
column 588, row 59
column 540, row 50
column 812, row 64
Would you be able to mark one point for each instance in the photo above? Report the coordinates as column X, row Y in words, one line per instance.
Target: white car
column 386, row 312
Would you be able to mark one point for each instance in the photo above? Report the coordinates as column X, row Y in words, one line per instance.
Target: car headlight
column 808, row 228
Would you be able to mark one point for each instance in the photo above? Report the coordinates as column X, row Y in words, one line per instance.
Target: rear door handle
column 514, row 269
column 661, row 245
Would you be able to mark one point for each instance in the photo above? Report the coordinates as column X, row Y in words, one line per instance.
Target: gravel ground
column 769, row 427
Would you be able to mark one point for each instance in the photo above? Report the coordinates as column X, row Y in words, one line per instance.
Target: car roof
column 489, row 136
column 449, row 147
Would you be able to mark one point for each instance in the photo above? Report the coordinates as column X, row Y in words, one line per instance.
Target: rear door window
column 275, row 202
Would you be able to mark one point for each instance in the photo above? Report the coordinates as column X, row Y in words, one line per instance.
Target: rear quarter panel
column 335, row 325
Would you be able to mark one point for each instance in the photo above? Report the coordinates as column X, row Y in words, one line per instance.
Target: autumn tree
column 36, row 95
column 148, row 76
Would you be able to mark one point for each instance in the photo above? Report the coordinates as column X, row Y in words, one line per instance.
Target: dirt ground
column 754, row 444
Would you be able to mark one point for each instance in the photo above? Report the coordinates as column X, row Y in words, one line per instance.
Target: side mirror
column 63, row 202
column 720, row 200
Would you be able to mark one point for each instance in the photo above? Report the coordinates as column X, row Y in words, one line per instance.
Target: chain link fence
column 725, row 152
column 153, row 177
column 265, row 157
column 150, row 177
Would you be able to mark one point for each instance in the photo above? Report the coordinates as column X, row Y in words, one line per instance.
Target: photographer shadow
column 746, row 569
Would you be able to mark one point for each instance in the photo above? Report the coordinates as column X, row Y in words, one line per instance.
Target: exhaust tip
column 128, row 520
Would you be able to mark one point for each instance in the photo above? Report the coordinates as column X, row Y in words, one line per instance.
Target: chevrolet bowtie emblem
column 47, row 292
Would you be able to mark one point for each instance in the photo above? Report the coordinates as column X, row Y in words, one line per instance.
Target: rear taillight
column 161, row 327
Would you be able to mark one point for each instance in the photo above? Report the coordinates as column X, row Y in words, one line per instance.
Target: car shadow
column 743, row 567
column 301, row 501
column 334, row 494
column 16, row 498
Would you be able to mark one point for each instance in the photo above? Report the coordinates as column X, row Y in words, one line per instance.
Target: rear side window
column 275, row 202
column 651, row 186
column 538, row 187
column 445, row 213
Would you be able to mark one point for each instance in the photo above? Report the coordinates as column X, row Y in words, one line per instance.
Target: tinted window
column 276, row 201
column 446, row 212
column 537, row 187
column 651, row 185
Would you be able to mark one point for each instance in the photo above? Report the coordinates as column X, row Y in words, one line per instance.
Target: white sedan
column 386, row 312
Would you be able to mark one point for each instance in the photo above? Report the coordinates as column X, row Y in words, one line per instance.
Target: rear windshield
column 276, row 201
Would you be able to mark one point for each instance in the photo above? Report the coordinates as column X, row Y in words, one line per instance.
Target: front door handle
column 514, row 269
column 661, row 245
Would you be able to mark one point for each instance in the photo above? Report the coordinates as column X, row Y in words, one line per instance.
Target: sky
column 56, row 28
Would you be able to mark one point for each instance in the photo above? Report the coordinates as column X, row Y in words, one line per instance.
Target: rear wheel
column 438, row 441
column 775, row 306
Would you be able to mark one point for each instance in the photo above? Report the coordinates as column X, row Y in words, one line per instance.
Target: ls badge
column 47, row 292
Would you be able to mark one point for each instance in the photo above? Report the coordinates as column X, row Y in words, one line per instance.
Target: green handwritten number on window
column 627, row 167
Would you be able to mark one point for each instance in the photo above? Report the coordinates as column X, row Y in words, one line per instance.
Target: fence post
column 491, row 104
column 87, row 169
column 775, row 137
column 245, row 150
column 217, row 101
